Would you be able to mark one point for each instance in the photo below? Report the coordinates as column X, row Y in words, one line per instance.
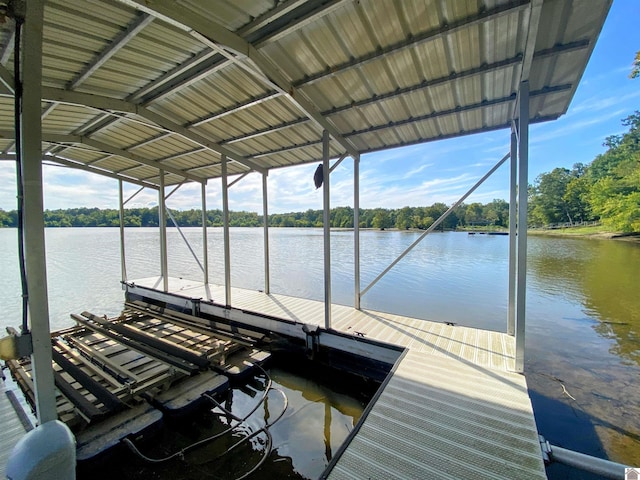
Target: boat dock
column 451, row 408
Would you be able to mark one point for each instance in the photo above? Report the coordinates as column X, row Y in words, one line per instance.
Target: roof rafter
column 208, row 61
column 135, row 27
column 507, row 63
column 429, row 116
column 87, row 168
column 510, row 62
column 445, row 29
column 104, row 147
column 107, row 103
column 535, row 10
column 7, row 49
column 205, row 29
column 6, row 78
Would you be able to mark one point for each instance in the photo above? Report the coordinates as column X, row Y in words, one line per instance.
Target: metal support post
column 523, row 184
column 35, row 252
column 227, row 246
column 356, row 230
column 327, row 229
column 513, row 187
column 265, row 214
column 123, row 263
column 205, row 242
column 162, row 224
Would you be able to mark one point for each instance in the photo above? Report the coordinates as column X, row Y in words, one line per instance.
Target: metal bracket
column 15, row 346
column 545, row 447
column 312, row 336
column 195, row 306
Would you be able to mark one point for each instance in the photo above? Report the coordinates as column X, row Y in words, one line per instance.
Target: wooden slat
column 111, row 402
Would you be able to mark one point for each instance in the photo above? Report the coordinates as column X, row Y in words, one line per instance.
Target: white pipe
column 513, row 188
column 123, row 263
column 327, row 230
column 225, row 222
column 265, row 214
column 35, row 251
column 356, row 230
column 523, row 186
column 598, row 466
column 205, row 241
column 162, row 224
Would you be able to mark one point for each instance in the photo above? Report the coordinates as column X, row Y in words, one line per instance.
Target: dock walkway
column 13, row 427
column 453, row 408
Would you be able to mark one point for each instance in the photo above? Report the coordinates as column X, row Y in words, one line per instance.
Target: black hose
column 20, row 186
column 183, row 451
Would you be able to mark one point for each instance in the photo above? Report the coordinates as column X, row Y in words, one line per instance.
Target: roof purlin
column 420, row 118
column 218, row 34
column 108, row 103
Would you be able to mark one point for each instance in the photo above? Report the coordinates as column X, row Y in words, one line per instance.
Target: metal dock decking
column 452, row 408
column 13, row 428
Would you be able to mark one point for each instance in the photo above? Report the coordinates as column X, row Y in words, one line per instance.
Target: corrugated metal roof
column 175, row 84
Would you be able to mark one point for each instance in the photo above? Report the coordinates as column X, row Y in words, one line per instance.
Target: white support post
column 227, row 246
column 327, row 229
column 265, row 214
column 162, row 224
column 35, row 251
column 523, row 185
column 356, row 230
column 123, row 263
column 205, row 241
column 513, row 188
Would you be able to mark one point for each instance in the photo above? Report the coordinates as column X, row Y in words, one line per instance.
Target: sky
column 418, row 175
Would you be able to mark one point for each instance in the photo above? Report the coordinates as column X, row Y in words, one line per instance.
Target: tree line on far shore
column 605, row 190
column 495, row 213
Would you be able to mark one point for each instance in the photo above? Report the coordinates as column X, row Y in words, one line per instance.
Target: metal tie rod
column 436, row 223
column 175, row 224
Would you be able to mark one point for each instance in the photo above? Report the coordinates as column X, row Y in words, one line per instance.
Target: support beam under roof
column 429, row 35
column 7, row 48
column 98, row 171
column 287, row 15
column 429, row 116
column 108, row 103
column 135, row 27
column 104, row 147
column 208, row 31
column 535, row 10
column 397, row 93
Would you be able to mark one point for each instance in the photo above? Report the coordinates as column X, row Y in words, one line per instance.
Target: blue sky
column 417, row 175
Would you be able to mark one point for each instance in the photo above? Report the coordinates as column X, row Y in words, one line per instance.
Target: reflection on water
column 583, row 346
column 305, row 431
column 583, row 307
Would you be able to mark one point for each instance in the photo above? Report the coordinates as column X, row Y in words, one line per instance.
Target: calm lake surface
column 583, row 306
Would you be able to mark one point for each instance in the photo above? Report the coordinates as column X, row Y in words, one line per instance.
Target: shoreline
column 597, row 235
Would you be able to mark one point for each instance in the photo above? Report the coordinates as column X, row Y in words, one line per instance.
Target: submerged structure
column 160, row 93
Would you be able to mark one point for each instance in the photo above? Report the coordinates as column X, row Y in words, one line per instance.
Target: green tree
column 548, row 204
column 635, row 71
column 381, row 219
column 404, row 218
column 474, row 214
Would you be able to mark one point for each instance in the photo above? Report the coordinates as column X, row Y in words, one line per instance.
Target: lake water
column 583, row 309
